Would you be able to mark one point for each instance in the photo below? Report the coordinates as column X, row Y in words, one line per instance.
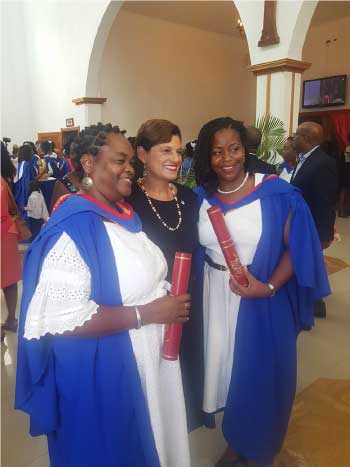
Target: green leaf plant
column 273, row 138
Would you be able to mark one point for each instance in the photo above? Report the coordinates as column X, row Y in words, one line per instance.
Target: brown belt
column 214, row 265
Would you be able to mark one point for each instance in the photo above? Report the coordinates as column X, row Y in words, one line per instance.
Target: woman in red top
column 11, row 267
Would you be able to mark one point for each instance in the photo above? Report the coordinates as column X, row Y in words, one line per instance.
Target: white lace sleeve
column 61, row 300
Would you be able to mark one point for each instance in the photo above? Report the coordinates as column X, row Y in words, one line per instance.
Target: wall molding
column 268, row 94
column 89, row 100
column 291, row 114
column 285, row 64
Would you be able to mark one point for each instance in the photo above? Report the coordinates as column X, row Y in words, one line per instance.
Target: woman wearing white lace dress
column 90, row 374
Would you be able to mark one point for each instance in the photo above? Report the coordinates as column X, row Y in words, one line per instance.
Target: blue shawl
column 21, row 187
column 85, row 394
column 263, row 379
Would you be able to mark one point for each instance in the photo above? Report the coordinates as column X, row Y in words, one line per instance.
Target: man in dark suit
column 315, row 175
column 255, row 164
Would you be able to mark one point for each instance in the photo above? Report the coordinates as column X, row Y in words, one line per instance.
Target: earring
column 87, row 182
column 144, row 170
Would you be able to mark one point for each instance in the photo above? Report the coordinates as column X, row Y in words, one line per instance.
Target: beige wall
column 331, row 60
column 153, row 68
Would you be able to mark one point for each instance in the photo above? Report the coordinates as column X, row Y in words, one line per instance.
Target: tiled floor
column 323, row 352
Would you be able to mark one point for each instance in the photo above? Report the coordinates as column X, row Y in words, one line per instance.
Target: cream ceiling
column 221, row 16
column 215, row 16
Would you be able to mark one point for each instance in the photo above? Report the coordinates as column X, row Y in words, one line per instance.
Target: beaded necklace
column 139, row 181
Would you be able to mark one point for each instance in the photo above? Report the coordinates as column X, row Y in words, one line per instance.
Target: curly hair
column 205, row 175
column 89, row 141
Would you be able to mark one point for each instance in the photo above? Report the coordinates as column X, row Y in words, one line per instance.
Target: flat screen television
column 324, row 92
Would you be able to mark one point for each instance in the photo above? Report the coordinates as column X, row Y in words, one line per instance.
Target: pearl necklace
column 236, row 189
column 156, row 212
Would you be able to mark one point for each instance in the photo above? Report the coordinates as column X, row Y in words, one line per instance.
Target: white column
column 278, row 90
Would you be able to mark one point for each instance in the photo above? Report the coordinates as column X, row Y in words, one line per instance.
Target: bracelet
column 138, row 318
column 272, row 289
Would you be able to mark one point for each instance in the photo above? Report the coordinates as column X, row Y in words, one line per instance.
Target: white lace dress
column 61, row 302
column 220, row 305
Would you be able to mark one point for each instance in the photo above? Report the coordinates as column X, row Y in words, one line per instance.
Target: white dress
column 61, row 302
column 220, row 305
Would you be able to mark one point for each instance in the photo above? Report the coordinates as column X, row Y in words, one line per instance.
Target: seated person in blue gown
column 89, row 371
column 250, row 332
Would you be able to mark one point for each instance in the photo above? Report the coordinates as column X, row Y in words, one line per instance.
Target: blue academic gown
column 56, row 165
column 85, row 394
column 21, row 187
column 34, row 162
column 263, row 380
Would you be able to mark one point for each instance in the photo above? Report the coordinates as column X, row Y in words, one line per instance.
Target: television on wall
column 324, row 92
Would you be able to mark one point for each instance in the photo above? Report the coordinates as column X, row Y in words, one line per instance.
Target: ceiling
column 214, row 16
column 221, row 16
column 330, row 11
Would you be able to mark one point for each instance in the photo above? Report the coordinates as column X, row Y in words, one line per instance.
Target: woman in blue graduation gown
column 25, row 173
column 89, row 371
column 250, row 332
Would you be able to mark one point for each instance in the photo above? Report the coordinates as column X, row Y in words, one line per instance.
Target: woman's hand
column 254, row 289
column 166, row 310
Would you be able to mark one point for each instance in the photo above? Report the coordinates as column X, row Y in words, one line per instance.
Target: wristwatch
column 272, row 289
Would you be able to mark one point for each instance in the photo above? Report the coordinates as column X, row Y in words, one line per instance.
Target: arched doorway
column 184, row 61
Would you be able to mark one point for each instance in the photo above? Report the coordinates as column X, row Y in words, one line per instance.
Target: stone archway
column 93, row 111
column 108, row 61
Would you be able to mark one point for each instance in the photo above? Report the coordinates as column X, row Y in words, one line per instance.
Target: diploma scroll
column 227, row 247
column 179, row 286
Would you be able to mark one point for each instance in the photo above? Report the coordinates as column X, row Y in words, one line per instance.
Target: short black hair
column 205, row 175
column 8, row 170
column 31, row 144
column 90, row 140
column 190, row 148
column 25, row 153
column 34, row 186
column 45, row 146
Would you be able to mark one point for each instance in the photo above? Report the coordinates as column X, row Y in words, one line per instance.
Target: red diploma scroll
column 179, row 286
column 227, row 247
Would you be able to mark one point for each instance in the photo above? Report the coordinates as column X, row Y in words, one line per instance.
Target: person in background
column 53, row 162
column 64, row 157
column 316, row 176
column 14, row 155
column 169, row 214
column 344, row 182
column 35, row 156
column 25, row 173
column 255, row 164
column 11, row 264
column 136, row 163
column 285, row 169
column 89, row 366
column 250, row 332
column 36, row 209
column 69, row 183
column 188, row 158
